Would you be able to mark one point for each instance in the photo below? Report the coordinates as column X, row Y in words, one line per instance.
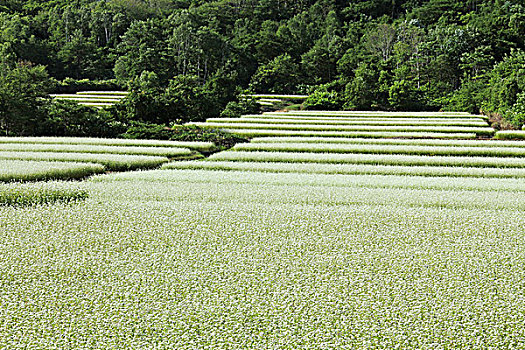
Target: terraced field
column 96, row 99
column 286, row 242
column 352, row 124
column 41, row 158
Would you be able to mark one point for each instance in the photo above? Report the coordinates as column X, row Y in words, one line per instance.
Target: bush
column 68, row 118
column 184, row 100
column 516, row 115
column 322, row 99
column 404, row 96
column 468, row 98
column 222, row 139
column 244, row 105
column 148, row 131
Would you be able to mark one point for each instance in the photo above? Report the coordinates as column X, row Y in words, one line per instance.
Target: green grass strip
column 112, row 162
column 510, row 135
column 357, row 134
column 385, row 122
column 198, row 146
column 373, row 159
column 487, row 131
column 38, row 193
column 171, row 152
column 21, row 170
column 384, row 149
column 409, row 142
column 349, row 169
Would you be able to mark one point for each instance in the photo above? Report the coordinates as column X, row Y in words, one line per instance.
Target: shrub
column 222, row 139
column 322, row 99
column 244, row 105
column 68, row 118
column 193, row 133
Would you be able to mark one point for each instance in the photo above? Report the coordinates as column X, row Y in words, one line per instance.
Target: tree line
column 190, row 59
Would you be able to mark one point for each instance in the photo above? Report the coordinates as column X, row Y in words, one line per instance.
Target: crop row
column 99, row 149
column 306, row 179
column 111, row 162
column 384, row 149
column 381, row 114
column 198, row 146
column 262, row 192
column 510, row 135
column 407, row 142
column 374, row 159
column 348, row 134
column 21, row 170
column 38, row 193
column 350, row 118
column 308, row 122
column 350, row 169
column 366, row 128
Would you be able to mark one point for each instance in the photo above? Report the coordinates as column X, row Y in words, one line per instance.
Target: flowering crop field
column 197, row 146
column 347, row 128
column 64, row 148
column 356, row 121
column 272, row 249
column 350, row 169
column 383, row 149
column 114, row 162
column 374, row 159
column 351, row 134
column 385, row 141
column 34, row 194
column 378, row 114
column 510, row 134
column 21, row 170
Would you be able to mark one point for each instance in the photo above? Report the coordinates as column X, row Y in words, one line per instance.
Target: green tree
column 23, row 95
column 278, row 76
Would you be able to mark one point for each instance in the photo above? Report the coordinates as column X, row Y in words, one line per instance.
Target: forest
column 188, row 60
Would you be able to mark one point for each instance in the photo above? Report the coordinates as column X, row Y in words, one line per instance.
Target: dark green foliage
column 23, row 92
column 185, row 99
column 147, row 131
column 278, row 76
column 323, row 99
column 516, row 115
column 67, row 118
column 186, row 60
column 243, row 105
column 222, row 139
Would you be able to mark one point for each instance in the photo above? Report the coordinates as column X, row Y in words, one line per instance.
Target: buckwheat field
column 322, row 242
